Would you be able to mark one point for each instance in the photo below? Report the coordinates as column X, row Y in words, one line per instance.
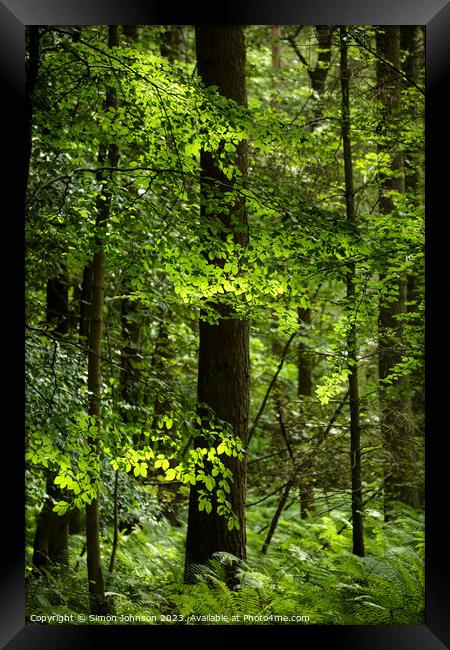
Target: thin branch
column 267, row 496
column 388, row 63
column 96, row 170
column 333, row 417
column 292, row 42
column 271, row 385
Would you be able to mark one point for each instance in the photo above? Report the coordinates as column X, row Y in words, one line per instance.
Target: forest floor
column 308, row 576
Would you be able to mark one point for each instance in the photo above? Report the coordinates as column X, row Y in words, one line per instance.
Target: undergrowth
column 309, row 575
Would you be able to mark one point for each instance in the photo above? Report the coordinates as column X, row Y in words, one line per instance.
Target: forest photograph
column 224, row 327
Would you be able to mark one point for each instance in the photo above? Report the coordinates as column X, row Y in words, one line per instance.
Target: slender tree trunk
column 393, row 405
column 317, row 76
column 95, row 574
column 277, row 515
column 223, row 372
column 352, row 347
column 291, row 482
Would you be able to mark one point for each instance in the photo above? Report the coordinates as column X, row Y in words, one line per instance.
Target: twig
column 269, row 390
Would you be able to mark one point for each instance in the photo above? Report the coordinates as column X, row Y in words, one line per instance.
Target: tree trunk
column 317, row 76
column 393, row 405
column 223, row 370
column 95, row 574
column 352, row 348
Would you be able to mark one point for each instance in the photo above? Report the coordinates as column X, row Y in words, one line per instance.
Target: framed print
column 225, row 350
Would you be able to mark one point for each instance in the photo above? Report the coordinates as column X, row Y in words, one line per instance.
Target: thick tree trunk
column 394, row 406
column 95, row 574
column 223, row 372
column 352, row 348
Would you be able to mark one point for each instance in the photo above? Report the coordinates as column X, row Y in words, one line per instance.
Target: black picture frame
column 14, row 16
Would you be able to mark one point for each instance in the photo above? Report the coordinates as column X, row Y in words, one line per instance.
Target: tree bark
column 94, row 564
column 223, row 368
column 352, row 346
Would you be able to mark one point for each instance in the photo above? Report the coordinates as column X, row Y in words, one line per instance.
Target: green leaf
column 170, row 474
